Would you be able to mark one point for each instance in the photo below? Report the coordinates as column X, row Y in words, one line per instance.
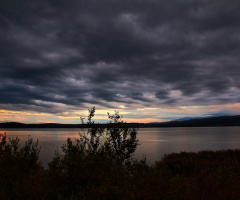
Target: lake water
column 154, row 142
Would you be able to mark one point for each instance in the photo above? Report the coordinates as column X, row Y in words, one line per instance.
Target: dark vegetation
column 99, row 165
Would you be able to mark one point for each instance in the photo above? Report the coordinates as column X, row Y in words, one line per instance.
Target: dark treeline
column 56, row 125
column 201, row 122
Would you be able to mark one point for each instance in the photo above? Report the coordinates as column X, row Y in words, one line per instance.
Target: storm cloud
column 57, row 55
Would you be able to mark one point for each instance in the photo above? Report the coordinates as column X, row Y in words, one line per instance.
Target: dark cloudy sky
column 152, row 60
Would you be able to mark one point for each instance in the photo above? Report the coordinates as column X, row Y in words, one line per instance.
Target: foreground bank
column 202, row 175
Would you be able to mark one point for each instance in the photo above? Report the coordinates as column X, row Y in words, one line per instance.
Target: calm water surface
column 154, row 142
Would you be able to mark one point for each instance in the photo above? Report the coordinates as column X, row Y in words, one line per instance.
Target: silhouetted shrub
column 98, row 159
column 21, row 173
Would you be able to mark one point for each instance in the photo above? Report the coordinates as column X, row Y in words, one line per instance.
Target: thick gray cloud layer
column 146, row 52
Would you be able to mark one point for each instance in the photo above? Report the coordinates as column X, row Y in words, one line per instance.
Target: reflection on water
column 154, row 142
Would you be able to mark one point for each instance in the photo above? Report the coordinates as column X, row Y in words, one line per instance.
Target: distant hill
column 197, row 122
column 202, row 122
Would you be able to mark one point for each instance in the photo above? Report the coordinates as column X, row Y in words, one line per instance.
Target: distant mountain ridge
column 197, row 122
column 202, row 122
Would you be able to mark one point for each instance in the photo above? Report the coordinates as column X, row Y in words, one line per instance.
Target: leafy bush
column 97, row 159
column 21, row 172
column 29, row 153
column 115, row 141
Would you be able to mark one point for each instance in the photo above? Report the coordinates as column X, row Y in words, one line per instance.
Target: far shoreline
column 220, row 121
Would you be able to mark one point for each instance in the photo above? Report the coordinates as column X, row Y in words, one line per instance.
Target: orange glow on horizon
column 132, row 115
column 40, row 121
column 147, row 120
